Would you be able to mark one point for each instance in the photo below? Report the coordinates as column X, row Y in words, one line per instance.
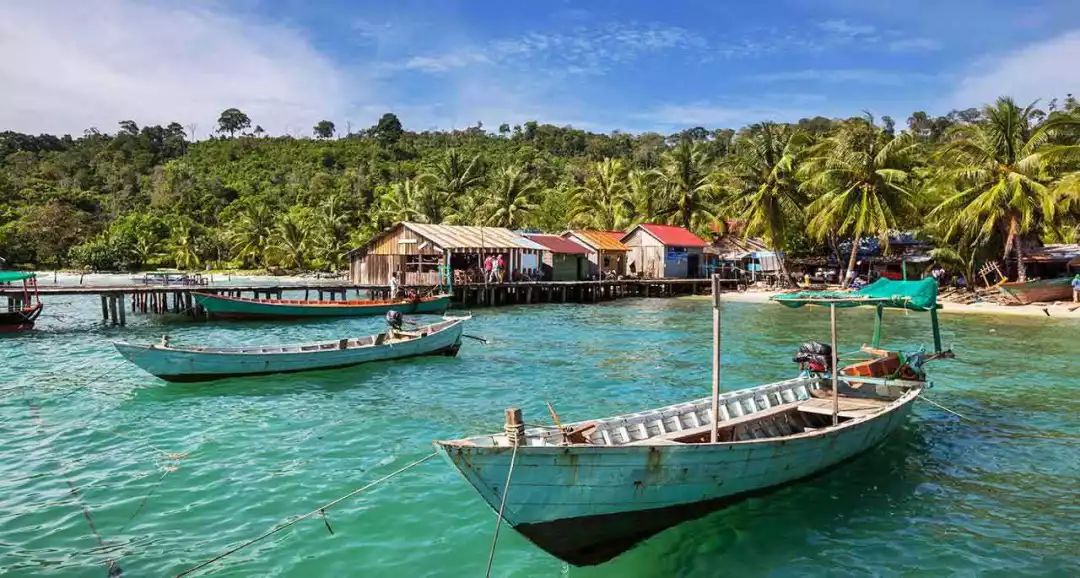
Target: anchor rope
column 502, row 505
column 321, row 510
column 932, row 402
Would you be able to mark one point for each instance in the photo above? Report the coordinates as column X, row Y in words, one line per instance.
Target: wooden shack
column 424, row 254
column 565, row 261
column 607, row 255
column 663, row 252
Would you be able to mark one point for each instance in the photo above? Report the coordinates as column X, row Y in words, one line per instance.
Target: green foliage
column 147, row 197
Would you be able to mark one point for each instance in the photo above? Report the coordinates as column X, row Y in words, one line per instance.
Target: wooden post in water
column 112, row 309
column 123, row 310
column 716, row 358
column 104, row 308
column 835, row 369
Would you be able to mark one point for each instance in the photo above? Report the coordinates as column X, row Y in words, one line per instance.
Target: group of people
column 494, row 269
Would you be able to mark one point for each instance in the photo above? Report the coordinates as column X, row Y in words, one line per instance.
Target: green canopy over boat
column 9, row 276
column 918, row 295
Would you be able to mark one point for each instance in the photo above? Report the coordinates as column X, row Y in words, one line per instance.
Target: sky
column 606, row 65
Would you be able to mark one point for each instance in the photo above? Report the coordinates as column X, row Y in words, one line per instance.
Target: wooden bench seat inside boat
column 849, row 408
column 695, row 435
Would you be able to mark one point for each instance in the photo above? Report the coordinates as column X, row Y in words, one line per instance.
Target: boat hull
column 193, row 366
column 222, row 307
column 587, row 504
column 21, row 320
column 1041, row 291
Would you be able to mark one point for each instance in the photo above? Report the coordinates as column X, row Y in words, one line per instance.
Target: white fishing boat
column 587, row 491
column 186, row 364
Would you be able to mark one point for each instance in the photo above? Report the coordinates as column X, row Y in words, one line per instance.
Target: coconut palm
column 402, row 201
column 861, row 174
column 642, row 189
column 182, row 246
column 333, row 229
column 999, row 174
column 510, row 198
column 291, row 240
column 251, row 234
column 688, row 194
column 601, row 203
column 450, row 180
column 765, row 192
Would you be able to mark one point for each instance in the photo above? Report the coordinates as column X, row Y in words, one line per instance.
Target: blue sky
column 599, row 65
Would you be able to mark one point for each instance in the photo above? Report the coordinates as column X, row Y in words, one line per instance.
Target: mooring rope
column 928, row 400
column 320, row 510
column 502, row 505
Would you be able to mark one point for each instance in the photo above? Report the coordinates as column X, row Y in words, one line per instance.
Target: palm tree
column 252, row 233
column 450, row 180
column 641, row 195
column 333, row 229
column 688, row 197
column 402, row 202
column 510, row 198
column 182, row 245
column 999, row 172
column 602, row 202
column 291, row 240
column 861, row 174
column 766, row 193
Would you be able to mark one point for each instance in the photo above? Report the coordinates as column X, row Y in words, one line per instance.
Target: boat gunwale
column 294, row 348
column 893, row 405
column 328, row 304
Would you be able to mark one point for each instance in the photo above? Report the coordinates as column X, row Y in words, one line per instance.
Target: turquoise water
column 173, row 474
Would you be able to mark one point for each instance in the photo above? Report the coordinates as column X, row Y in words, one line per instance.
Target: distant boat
column 1040, row 291
column 20, row 311
column 189, row 364
column 224, row 307
column 587, row 491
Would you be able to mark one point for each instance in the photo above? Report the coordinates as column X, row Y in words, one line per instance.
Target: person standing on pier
column 487, row 270
column 500, row 268
column 395, row 285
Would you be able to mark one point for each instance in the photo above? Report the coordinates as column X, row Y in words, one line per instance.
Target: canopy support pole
column 835, row 369
column 877, row 325
column 716, row 357
column 936, row 327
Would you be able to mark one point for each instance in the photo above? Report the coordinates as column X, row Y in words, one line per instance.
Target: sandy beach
column 1060, row 310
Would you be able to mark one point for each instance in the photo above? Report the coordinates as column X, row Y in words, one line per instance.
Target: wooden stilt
column 835, row 369
column 112, row 309
column 716, row 358
column 123, row 310
column 104, row 308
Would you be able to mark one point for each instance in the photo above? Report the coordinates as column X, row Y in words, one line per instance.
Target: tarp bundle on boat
column 918, row 295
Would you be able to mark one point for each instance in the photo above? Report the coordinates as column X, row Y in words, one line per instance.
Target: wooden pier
column 117, row 301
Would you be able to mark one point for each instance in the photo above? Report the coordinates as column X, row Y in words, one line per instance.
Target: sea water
column 173, row 474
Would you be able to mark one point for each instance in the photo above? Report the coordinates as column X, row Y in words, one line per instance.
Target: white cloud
column 678, row 116
column 843, row 28
column 67, row 66
column 1044, row 70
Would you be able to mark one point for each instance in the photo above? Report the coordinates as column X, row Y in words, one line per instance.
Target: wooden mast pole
column 716, row 357
column 835, row 369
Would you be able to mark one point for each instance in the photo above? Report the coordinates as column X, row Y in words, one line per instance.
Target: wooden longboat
column 1039, row 291
column 190, row 364
column 222, row 307
column 587, row 491
column 21, row 313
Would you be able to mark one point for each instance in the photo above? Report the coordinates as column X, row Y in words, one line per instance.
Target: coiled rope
column 502, row 505
column 320, row 510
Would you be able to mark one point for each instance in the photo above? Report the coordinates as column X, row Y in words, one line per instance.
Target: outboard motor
column 814, row 356
column 394, row 319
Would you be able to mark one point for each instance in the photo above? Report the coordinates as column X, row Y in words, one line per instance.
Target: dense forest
column 983, row 183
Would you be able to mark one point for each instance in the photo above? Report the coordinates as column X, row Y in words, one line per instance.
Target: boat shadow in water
column 375, row 373
column 769, row 522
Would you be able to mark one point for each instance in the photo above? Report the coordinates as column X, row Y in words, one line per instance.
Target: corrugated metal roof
column 558, row 244
column 466, row 237
column 1053, row 253
column 736, row 247
column 600, row 240
column 671, row 235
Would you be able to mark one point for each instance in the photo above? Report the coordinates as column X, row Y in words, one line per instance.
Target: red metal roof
column 671, row 235
column 558, row 244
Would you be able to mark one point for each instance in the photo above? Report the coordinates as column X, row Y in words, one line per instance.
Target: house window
column 422, row 263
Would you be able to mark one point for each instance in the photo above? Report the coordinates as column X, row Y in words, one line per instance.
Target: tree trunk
column 785, row 279
column 1012, row 242
column 851, row 262
column 1021, row 268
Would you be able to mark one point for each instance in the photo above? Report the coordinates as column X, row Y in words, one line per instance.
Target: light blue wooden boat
column 187, row 364
column 588, row 491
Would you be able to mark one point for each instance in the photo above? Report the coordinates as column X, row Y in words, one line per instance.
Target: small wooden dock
column 118, row 301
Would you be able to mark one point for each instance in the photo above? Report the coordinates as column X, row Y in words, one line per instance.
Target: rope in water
column 320, row 510
column 502, row 505
column 932, row 402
